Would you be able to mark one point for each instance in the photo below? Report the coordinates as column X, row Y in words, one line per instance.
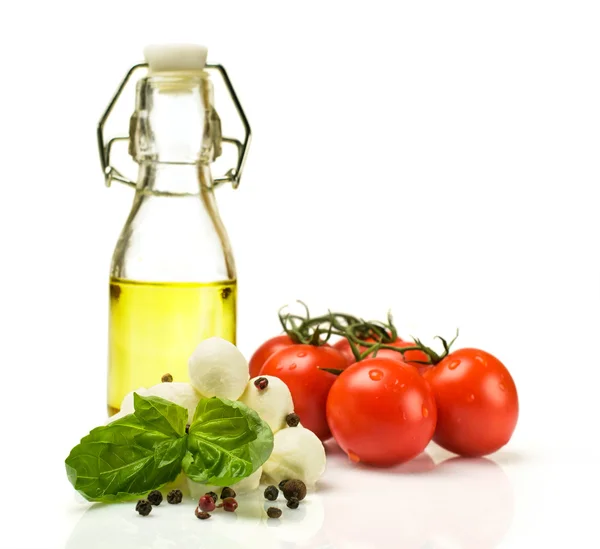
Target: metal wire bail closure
column 232, row 176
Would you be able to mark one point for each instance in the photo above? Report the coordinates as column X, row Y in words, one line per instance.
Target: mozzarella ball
column 218, row 368
column 297, row 454
column 126, row 405
column 272, row 404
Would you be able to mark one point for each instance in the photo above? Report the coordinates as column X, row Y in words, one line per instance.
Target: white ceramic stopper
column 175, row 57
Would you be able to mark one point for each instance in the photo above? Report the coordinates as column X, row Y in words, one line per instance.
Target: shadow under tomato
column 504, row 457
column 423, row 463
column 332, row 448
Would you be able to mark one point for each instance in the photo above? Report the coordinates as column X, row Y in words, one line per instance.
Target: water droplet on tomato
column 279, row 367
column 402, row 385
column 376, row 375
column 502, row 387
column 425, row 412
column 353, row 457
column 471, row 398
column 480, row 359
column 453, row 365
column 404, row 416
column 292, row 366
column 301, row 354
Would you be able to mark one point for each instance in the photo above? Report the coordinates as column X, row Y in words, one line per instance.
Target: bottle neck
column 174, row 232
column 159, row 178
column 174, row 121
column 174, row 208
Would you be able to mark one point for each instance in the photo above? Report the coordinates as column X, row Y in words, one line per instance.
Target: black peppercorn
column 293, row 503
column 155, row 497
column 274, row 512
column 261, row 383
column 143, row 507
column 271, row 493
column 292, row 420
column 202, row 515
column 294, row 489
column 227, row 492
column 115, row 291
column 282, row 483
column 225, row 293
column 167, row 378
column 174, row 496
column 213, row 495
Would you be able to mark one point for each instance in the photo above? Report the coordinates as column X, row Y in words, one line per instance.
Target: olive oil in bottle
column 154, row 327
column 173, row 281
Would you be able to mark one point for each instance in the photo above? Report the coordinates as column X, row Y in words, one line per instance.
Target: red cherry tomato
column 409, row 356
column 268, row 348
column 381, row 412
column 299, row 366
column 477, row 402
column 344, row 348
column 396, row 356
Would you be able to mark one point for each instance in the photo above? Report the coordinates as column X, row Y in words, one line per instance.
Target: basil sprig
column 227, row 443
column 145, row 450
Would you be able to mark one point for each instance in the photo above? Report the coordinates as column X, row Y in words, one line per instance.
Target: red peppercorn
column 261, row 383
column 230, row 505
column 206, row 503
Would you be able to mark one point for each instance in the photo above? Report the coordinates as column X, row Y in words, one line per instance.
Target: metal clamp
column 232, row 176
column 110, row 172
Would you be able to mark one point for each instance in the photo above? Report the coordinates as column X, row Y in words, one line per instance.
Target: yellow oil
column 155, row 326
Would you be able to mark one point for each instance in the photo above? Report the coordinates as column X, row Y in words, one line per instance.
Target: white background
column 440, row 159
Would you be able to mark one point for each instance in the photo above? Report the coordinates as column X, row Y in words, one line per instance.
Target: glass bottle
column 172, row 277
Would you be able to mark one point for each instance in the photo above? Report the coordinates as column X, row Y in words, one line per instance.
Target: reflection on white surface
column 458, row 504
column 119, row 526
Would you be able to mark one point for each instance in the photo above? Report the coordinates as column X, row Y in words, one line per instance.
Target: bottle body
column 172, row 279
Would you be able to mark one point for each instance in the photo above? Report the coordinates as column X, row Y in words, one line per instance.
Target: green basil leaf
column 227, row 442
column 129, row 457
column 160, row 415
